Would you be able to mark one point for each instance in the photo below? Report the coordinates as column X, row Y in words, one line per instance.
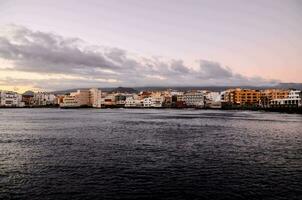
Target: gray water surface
column 149, row 154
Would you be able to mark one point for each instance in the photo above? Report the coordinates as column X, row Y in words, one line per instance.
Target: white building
column 133, row 102
column 157, row 101
column 213, row 96
column 213, row 100
column 193, row 99
column 147, row 102
column 10, row 99
column 95, row 98
column 294, row 98
column 44, row 99
column 153, row 102
column 176, row 93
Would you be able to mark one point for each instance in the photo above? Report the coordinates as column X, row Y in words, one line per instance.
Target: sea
column 167, row 154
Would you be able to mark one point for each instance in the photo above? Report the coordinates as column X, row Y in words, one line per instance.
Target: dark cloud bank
column 48, row 53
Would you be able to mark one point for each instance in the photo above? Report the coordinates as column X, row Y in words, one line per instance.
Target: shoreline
column 277, row 110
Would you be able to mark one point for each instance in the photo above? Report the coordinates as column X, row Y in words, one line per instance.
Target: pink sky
column 260, row 38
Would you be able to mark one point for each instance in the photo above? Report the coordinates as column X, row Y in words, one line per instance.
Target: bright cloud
column 50, row 61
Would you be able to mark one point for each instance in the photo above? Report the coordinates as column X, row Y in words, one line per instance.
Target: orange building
column 271, row 94
column 240, row 96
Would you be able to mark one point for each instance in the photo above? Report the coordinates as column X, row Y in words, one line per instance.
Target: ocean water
column 149, row 154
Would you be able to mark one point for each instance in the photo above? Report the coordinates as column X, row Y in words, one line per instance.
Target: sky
column 60, row 44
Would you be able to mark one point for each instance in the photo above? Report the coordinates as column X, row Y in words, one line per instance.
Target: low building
column 59, row 99
column 167, row 101
column 213, row 100
column 83, row 98
column 275, row 93
column 108, row 100
column 11, row 99
column 271, row 94
column 153, row 102
column 120, row 99
column 27, row 98
column 44, row 99
column 157, row 101
column 133, row 102
column 176, row 93
column 145, row 94
column 167, row 98
column 70, row 102
column 293, row 99
column 192, row 99
column 147, row 102
column 213, row 96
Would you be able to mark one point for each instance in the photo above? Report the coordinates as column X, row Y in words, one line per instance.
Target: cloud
column 179, row 67
column 210, row 69
column 49, row 53
column 50, row 84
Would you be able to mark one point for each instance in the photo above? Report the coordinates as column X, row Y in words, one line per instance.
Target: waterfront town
column 237, row 98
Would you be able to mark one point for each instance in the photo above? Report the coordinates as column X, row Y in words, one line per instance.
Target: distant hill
column 297, row 86
column 116, row 90
column 186, row 88
column 124, row 90
column 28, row 93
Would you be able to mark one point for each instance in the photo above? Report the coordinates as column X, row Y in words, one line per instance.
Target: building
column 11, row 99
column 145, row 94
column 213, row 100
column 83, row 98
column 120, row 99
column 275, row 93
column 70, row 102
column 108, row 100
column 95, row 98
column 271, row 94
column 242, row 97
column 153, row 102
column 301, row 99
column 176, row 93
column 43, row 99
column 133, row 102
column 293, row 99
column 27, row 98
column 147, row 102
column 167, row 99
column 59, row 99
column 192, row 99
column 157, row 101
column 213, row 96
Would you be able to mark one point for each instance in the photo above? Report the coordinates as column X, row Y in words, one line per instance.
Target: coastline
column 287, row 110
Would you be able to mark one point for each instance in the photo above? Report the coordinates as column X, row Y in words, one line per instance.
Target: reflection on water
column 154, row 154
